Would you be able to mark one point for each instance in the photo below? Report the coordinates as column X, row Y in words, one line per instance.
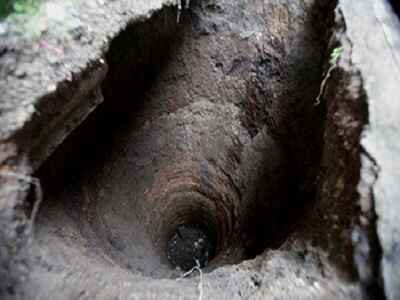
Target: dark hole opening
column 136, row 63
column 190, row 245
column 396, row 6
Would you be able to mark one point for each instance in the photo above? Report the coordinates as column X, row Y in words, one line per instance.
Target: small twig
column 38, row 193
column 200, row 285
column 323, row 84
column 179, row 4
column 186, row 274
column 178, row 16
column 187, row 4
column 336, row 53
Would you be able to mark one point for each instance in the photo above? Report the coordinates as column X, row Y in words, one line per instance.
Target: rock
column 377, row 57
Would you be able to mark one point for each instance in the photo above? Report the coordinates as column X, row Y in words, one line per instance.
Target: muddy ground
column 214, row 137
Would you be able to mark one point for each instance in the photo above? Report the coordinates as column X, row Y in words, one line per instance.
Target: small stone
column 92, row 3
column 3, row 28
column 55, row 11
column 51, row 88
column 77, row 32
column 20, row 73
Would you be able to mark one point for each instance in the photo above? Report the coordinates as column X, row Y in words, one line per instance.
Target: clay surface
column 188, row 134
column 212, row 135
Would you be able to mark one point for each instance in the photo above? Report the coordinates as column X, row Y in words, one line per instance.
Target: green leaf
column 336, row 53
column 25, row 6
column 19, row 7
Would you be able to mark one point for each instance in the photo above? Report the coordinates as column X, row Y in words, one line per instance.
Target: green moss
column 5, row 8
column 336, row 53
column 18, row 7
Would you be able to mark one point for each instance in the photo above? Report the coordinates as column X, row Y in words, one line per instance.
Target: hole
column 189, row 246
column 191, row 231
column 193, row 156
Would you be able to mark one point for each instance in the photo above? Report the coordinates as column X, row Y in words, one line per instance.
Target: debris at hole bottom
column 188, row 245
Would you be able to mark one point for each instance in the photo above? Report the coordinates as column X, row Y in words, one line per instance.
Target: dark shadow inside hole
column 396, row 6
column 191, row 245
column 136, row 59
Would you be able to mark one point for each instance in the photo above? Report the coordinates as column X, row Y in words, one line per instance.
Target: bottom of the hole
column 189, row 246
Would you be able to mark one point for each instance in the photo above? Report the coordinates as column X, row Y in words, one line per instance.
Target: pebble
column 55, row 11
column 3, row 28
